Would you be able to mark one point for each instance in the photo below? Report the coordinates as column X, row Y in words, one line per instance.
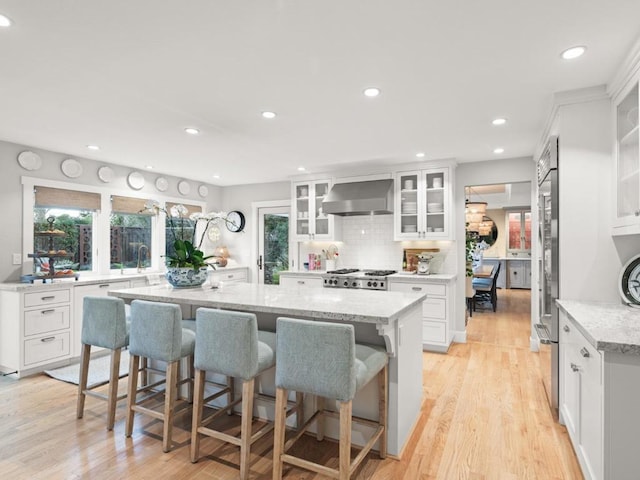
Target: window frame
column 101, row 224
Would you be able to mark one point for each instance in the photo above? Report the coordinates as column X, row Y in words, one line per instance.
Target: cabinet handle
column 416, row 289
column 584, row 352
column 48, row 339
column 47, row 312
column 637, row 213
column 300, row 282
column 230, row 276
column 575, row 367
column 50, row 297
column 566, row 328
column 104, row 285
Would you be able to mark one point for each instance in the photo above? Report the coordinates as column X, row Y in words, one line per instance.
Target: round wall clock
column 235, row 221
column 629, row 284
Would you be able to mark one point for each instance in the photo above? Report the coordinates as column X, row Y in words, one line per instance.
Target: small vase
column 186, row 277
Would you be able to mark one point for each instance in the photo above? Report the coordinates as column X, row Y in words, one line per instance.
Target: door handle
column 259, row 262
column 575, row 367
column 566, row 329
column 584, row 352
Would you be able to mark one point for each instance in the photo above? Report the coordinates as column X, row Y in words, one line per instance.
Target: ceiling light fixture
column 4, row 21
column 93, row 147
column 420, row 154
column 573, row 52
column 498, row 150
column 216, row 175
column 192, row 131
column 149, row 167
column 499, row 121
column 302, row 169
column 371, row 92
column 269, row 115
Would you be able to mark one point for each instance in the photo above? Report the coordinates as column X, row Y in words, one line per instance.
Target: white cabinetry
column 437, row 311
column 519, row 273
column 94, row 290
column 231, row 275
column 581, row 397
column 627, row 141
column 310, row 222
column 422, row 204
column 300, row 280
column 35, row 329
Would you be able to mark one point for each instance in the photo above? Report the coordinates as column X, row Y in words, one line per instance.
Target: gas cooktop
column 355, row 278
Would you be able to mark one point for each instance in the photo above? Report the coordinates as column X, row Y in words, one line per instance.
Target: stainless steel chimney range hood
column 373, row 197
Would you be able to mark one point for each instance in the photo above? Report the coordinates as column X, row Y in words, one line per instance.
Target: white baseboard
column 534, row 344
column 460, row 336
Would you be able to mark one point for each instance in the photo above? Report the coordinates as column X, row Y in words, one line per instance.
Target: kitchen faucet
column 140, row 267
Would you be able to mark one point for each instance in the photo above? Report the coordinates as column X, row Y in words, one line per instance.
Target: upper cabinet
column 309, row 220
column 627, row 207
column 423, row 205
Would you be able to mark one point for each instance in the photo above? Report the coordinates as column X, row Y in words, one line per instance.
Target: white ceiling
column 129, row 76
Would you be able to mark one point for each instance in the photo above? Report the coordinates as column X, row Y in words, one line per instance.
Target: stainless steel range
column 354, row 278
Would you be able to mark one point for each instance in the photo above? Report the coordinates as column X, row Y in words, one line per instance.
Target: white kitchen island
column 390, row 319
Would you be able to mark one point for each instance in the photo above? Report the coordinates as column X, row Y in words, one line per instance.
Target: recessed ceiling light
column 499, row 121
column 574, row 52
column 216, row 176
column 498, row 150
column 93, row 147
column 420, row 154
column 4, row 21
column 371, row 92
column 301, row 169
column 149, row 167
column 192, row 131
column 269, row 115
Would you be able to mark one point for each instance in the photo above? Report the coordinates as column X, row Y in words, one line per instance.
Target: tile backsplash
column 367, row 242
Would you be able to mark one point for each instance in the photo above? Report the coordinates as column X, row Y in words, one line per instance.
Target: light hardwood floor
column 484, row 417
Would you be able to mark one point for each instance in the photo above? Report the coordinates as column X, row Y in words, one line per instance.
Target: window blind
column 191, row 208
column 62, row 198
column 129, row 205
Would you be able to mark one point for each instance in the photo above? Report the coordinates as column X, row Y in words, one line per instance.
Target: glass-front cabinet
column 627, row 214
column 519, row 233
column 422, row 210
column 310, row 222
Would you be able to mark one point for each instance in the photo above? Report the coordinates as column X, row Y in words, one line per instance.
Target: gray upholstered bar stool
column 157, row 334
column 104, row 324
column 323, row 359
column 229, row 343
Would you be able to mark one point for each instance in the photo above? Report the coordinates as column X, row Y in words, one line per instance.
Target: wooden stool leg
column 145, row 372
column 169, row 403
column 85, row 356
column 279, row 432
column 232, row 393
column 197, row 414
column 112, row 395
column 190, row 375
column 245, row 427
column 131, row 396
column 320, row 421
column 299, row 410
column 345, row 440
column 383, row 378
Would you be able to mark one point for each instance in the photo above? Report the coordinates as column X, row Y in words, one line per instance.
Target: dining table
column 482, row 271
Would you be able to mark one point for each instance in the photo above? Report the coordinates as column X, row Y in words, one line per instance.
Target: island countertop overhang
column 362, row 306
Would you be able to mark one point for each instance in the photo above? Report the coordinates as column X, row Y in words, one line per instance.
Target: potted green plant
column 186, row 264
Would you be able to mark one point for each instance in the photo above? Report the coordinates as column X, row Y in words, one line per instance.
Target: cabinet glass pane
column 628, row 155
column 435, row 202
column 409, row 203
column 302, row 209
column 527, row 231
column 514, row 231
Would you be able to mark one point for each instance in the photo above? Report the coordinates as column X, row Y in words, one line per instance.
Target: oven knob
column 375, row 284
column 368, row 284
column 381, row 284
column 354, row 284
column 346, row 284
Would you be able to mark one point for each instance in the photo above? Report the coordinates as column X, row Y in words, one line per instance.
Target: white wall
column 11, row 193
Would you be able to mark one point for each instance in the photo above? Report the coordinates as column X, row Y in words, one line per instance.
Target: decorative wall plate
column 183, row 187
column 71, row 168
column 203, row 190
column 135, row 180
column 162, row 184
column 29, row 160
column 105, row 174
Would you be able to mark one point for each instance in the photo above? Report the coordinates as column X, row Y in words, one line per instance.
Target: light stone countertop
column 405, row 277
column 364, row 306
column 609, row 327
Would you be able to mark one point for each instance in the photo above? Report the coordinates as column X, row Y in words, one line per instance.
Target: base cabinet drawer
column 46, row 297
column 434, row 332
column 46, row 348
column 428, row 288
column 45, row 320
column 435, row 308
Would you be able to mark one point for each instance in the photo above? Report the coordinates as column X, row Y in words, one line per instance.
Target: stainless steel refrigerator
column 547, row 327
